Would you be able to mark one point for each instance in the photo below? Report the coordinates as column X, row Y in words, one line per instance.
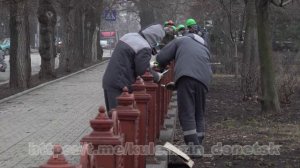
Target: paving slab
column 55, row 113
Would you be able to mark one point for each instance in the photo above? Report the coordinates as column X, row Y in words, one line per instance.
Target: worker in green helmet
column 180, row 27
column 194, row 28
column 181, row 30
column 170, row 31
column 168, row 23
column 174, row 28
column 192, row 77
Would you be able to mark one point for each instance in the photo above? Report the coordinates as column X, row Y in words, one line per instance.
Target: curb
column 166, row 134
column 50, row 82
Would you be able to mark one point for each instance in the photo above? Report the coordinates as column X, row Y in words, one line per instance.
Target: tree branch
column 228, row 13
column 282, row 3
column 286, row 2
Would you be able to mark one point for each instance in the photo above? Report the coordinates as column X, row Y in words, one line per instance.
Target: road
column 35, row 65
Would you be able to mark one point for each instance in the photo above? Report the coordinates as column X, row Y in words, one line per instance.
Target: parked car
column 5, row 45
column 104, row 44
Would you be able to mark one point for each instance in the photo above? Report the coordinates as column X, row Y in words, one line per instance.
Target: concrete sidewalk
column 56, row 113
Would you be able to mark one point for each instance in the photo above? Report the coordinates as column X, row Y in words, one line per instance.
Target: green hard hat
column 166, row 23
column 180, row 27
column 174, row 28
column 190, row 22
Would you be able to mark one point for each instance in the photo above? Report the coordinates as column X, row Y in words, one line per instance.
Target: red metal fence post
column 128, row 117
column 102, row 142
column 142, row 99
column 151, row 88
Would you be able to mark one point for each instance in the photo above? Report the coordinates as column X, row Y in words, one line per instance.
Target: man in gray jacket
column 131, row 58
column 192, row 78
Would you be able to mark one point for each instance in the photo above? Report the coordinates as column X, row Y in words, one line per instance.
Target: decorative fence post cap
column 57, row 160
column 125, row 99
column 139, row 85
column 148, row 77
column 102, row 115
column 101, row 123
column 102, row 132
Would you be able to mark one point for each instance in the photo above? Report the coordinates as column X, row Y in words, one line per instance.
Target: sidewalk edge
column 50, row 82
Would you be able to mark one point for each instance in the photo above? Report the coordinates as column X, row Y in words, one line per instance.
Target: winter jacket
column 131, row 57
column 192, row 58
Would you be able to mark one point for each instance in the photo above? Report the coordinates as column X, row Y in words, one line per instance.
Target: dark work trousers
column 191, row 106
column 111, row 98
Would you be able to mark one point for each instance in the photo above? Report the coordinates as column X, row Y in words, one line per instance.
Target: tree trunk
column 94, row 45
column 236, row 59
column 78, row 55
column 67, row 52
column 270, row 102
column 250, row 61
column 99, row 48
column 20, row 62
column 47, row 19
column 89, row 28
column 72, row 57
column 146, row 13
column 98, row 12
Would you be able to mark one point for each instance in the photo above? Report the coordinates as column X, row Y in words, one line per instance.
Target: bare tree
column 270, row 101
column 4, row 20
column 236, row 25
column 227, row 17
column 47, row 18
column 92, row 13
column 78, row 54
column 20, row 62
column 175, row 10
column 80, row 24
column 250, row 63
column 146, row 13
column 67, row 11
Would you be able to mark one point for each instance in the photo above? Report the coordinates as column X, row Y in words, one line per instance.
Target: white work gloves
column 160, row 75
column 170, row 86
column 153, row 64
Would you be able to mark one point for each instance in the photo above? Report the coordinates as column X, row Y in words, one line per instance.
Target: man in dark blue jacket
column 131, row 58
column 192, row 78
